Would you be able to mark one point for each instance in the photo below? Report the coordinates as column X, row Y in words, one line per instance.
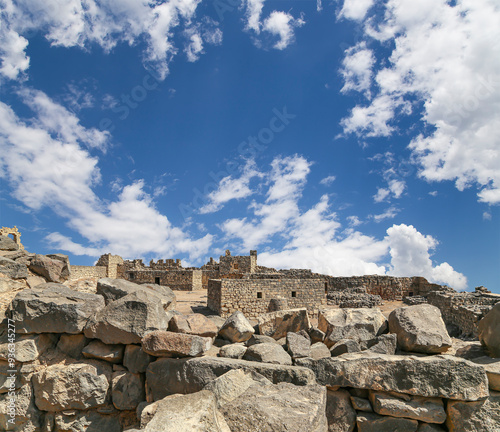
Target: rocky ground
column 113, row 356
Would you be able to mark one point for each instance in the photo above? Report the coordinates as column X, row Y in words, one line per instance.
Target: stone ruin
column 122, row 358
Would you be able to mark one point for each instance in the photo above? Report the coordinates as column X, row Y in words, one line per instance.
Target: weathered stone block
column 420, row 328
column 278, row 324
column 169, row 344
column 489, row 331
column 168, row 376
column 480, row 416
column 110, row 353
column 433, row 376
column 128, row 390
column 53, row 308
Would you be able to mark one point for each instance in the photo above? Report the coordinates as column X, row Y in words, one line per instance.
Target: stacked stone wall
column 387, row 287
column 181, row 280
column 463, row 310
column 253, row 296
column 79, row 272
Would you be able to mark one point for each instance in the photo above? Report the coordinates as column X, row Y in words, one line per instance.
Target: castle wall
column 252, row 296
column 181, row 280
column 79, row 272
column 463, row 310
column 387, row 287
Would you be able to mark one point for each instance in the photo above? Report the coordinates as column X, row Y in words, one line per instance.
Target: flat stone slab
column 53, row 308
column 428, row 410
column 368, row 422
column 492, row 368
column 168, row 376
column 432, row 376
column 169, row 344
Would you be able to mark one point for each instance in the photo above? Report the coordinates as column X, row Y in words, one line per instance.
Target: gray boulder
column 344, row 346
column 268, row 353
column 233, row 384
column 384, row 344
column 7, row 244
column 489, row 331
column 12, row 269
column 480, row 416
column 257, row 339
column 169, row 344
column 319, row 350
column 193, row 412
column 28, row 347
column 356, row 324
column 235, row 351
column 169, row 376
column 72, row 345
column 194, row 324
column 431, row 376
column 278, row 324
column 73, row 386
column 281, row 407
column 53, row 270
column 53, row 308
column 128, row 319
column 298, row 346
column 340, row 414
column 135, row 359
column 428, row 410
column 115, row 289
column 128, row 390
column 420, row 328
column 237, row 328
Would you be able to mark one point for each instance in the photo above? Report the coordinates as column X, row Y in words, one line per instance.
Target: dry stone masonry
column 122, row 358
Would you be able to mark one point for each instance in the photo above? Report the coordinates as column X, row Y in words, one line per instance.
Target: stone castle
column 239, row 283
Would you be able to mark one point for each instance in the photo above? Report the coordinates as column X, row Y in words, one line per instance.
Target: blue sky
column 351, row 137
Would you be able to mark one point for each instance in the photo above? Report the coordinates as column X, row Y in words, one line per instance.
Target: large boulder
column 298, row 345
column 233, row 384
column 52, row 269
column 73, row 386
column 319, row 350
column 278, row 324
column 237, row 328
column 128, row 319
column 135, row 359
column 13, row 269
column 115, row 289
column 281, row 407
column 428, row 410
column 356, row 324
column 53, row 308
column 420, row 328
column 340, row 414
column 480, row 416
column 7, row 244
column 194, row 324
column 128, row 390
column 27, row 348
column 268, row 353
column 169, row 376
column 489, row 331
column 169, row 344
column 431, row 376
column 193, row 412
column 235, row 351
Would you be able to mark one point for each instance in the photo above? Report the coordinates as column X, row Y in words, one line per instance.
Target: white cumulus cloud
column 442, row 65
